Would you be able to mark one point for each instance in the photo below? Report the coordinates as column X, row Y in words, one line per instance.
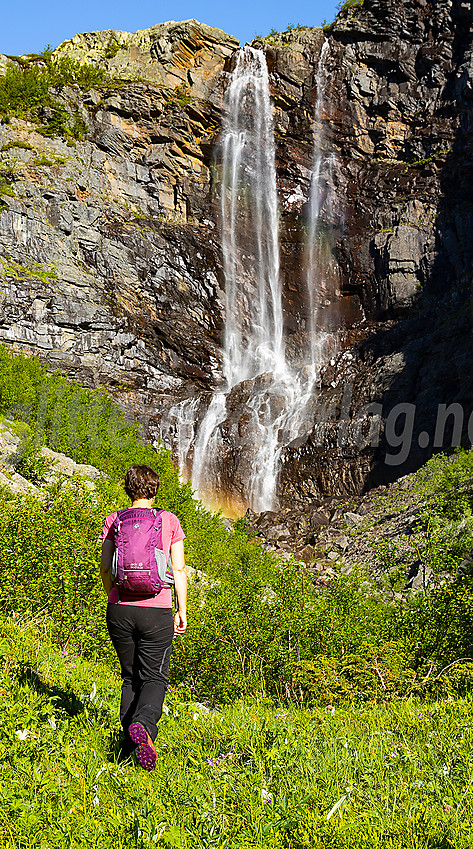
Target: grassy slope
column 401, row 778
column 247, row 776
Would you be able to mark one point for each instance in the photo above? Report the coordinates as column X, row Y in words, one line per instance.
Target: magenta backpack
column 139, row 564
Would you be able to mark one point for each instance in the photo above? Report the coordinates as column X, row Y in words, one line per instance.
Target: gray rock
column 352, row 518
column 333, row 555
column 422, row 579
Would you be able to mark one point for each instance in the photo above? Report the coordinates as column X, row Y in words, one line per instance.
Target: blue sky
column 27, row 27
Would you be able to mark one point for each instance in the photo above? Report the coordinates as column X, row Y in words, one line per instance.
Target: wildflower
column 393, row 754
column 219, row 759
column 448, row 808
column 64, row 652
column 23, row 734
column 266, row 796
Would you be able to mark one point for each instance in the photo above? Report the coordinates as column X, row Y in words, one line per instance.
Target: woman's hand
column 180, row 623
column 180, row 586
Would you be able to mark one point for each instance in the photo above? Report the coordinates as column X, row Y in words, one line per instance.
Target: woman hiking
column 136, row 545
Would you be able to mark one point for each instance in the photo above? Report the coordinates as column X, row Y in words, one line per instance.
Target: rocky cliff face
column 111, row 250
column 400, row 104
column 110, row 257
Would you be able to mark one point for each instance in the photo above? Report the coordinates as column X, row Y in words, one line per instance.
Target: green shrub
column 5, row 188
column 15, row 143
column 27, row 90
column 344, row 6
column 112, row 47
column 30, row 463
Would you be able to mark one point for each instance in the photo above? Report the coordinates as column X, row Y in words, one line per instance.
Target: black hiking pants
column 142, row 638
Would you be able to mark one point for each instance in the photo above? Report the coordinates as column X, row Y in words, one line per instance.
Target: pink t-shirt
column 172, row 532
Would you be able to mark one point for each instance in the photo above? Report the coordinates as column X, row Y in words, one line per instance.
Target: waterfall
column 321, row 265
column 178, row 430
column 266, row 401
column 253, row 341
column 206, row 443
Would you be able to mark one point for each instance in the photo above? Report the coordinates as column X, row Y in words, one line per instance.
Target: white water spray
column 321, row 266
column 253, row 341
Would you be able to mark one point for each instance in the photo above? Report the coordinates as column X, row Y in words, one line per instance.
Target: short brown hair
column 141, row 482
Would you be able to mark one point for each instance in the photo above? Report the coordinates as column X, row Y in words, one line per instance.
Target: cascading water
column 253, row 341
column 321, row 265
column 178, row 430
column 278, row 401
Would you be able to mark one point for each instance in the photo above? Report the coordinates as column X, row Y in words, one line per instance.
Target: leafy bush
column 31, row 464
column 112, row 47
column 5, row 187
column 25, row 92
column 344, row 6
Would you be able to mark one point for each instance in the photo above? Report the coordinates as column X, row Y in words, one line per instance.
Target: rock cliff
column 110, row 257
column 111, row 250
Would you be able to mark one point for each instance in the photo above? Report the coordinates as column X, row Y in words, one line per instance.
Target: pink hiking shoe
column 146, row 751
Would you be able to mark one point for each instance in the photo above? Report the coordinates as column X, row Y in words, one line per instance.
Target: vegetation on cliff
column 27, row 91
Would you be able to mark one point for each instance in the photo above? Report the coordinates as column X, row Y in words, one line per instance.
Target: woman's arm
column 180, row 583
column 105, row 564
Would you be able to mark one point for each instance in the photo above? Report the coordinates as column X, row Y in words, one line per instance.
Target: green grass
column 297, row 718
column 247, row 776
column 35, row 270
column 16, row 143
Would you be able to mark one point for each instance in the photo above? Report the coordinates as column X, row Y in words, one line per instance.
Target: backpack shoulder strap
column 165, row 531
column 119, row 517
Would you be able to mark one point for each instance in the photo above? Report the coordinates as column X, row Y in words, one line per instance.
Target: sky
column 29, row 26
